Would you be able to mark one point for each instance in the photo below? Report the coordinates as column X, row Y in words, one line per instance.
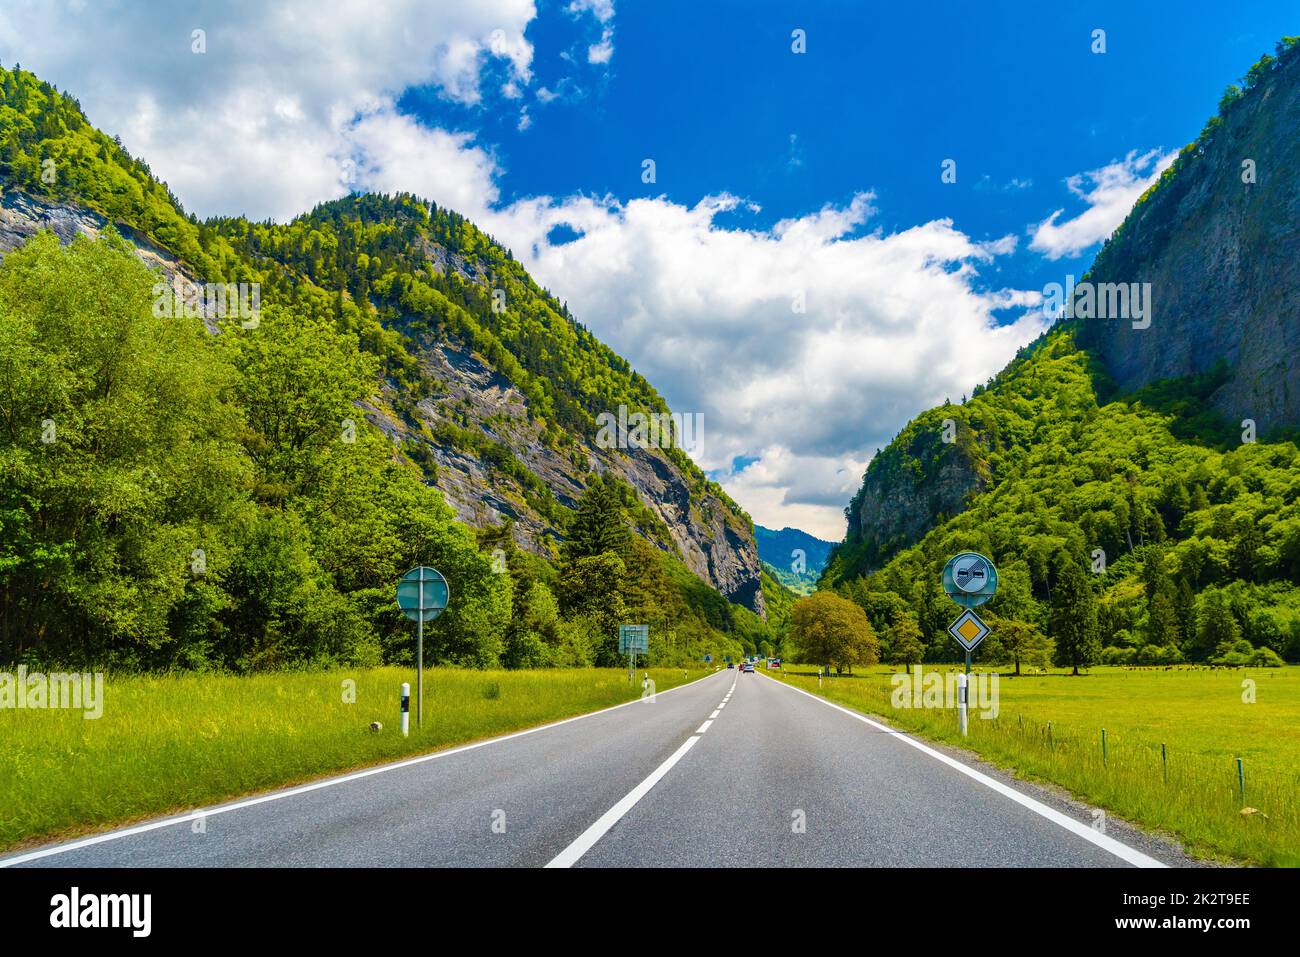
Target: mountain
column 1121, row 450
column 488, row 384
column 1218, row 239
column 224, row 441
column 793, row 557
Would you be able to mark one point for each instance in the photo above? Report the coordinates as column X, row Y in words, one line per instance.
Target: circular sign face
column 970, row 579
column 970, row 572
column 423, row 593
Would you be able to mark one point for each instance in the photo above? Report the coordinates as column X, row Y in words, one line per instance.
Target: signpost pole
column 970, row 580
column 419, row 671
column 428, row 600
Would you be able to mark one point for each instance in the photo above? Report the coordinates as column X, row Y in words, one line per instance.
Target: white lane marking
column 715, row 713
column 315, row 785
column 1106, row 843
column 704, row 727
column 723, row 705
column 585, row 841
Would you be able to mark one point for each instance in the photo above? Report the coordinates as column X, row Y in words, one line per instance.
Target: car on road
column 749, row 666
column 731, row 664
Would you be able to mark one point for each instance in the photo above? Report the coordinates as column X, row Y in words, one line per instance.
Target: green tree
column 903, row 642
column 118, row 447
column 597, row 525
column 1073, row 619
column 592, row 588
column 828, row 630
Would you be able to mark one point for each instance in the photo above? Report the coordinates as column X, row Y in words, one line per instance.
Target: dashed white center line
column 705, row 726
column 715, row 714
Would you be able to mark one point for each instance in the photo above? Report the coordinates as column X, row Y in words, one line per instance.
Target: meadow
column 175, row 742
column 1173, row 738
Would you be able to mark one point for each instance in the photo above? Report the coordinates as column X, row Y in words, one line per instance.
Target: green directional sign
column 970, row 579
column 633, row 639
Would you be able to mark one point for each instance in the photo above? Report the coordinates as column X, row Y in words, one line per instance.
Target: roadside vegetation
column 1204, row 719
column 170, row 743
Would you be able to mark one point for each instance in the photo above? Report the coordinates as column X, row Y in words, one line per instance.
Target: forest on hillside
column 1128, row 529
column 173, row 498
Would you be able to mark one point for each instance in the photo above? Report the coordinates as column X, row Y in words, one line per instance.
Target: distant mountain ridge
column 794, row 557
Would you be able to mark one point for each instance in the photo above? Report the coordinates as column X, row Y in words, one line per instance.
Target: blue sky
column 779, row 176
column 1012, row 91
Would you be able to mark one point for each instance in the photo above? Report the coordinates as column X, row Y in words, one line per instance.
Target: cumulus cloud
column 601, row 51
column 276, row 95
column 395, row 153
column 1109, row 193
column 812, row 341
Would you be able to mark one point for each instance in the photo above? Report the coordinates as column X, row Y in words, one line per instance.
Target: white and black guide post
column 970, row 580
column 422, row 594
column 406, row 709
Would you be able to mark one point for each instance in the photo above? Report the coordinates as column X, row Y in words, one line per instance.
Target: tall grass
column 174, row 742
column 1192, row 790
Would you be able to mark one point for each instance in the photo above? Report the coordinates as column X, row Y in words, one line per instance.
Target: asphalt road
column 730, row 771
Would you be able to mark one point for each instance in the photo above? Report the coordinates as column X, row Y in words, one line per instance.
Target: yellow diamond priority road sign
column 968, row 630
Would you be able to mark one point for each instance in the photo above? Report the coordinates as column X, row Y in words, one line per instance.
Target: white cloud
column 893, row 324
column 1109, row 193
column 396, row 153
column 275, row 98
column 603, row 10
column 603, row 51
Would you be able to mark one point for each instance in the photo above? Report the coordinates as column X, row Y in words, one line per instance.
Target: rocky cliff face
column 712, row 540
column 909, row 486
column 1219, row 241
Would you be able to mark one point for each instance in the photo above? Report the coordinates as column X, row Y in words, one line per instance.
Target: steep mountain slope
column 1221, row 256
column 1218, row 239
column 1117, row 451
column 489, row 384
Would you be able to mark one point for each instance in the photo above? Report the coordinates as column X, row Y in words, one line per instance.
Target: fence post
column 1103, row 745
column 1241, row 780
column 1164, row 763
column 1051, row 744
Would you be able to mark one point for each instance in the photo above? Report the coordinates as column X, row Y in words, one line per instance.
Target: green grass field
column 1198, row 715
column 172, row 743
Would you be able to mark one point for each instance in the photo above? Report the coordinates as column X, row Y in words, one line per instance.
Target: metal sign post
column 970, row 580
column 422, row 594
column 633, row 640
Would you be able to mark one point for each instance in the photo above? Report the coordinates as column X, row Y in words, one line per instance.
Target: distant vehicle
column 731, row 664
column 749, row 666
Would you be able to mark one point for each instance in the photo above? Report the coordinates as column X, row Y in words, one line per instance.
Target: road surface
column 733, row 770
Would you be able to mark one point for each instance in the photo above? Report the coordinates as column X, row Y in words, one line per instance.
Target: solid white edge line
column 1106, row 843
column 587, row 839
column 214, row 810
column 704, row 727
